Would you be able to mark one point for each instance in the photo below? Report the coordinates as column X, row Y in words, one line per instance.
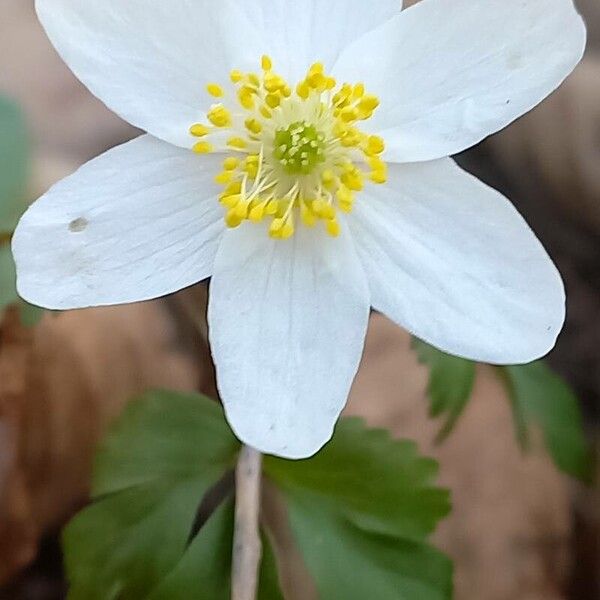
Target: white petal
column 287, row 326
column 452, row 261
column 138, row 222
column 297, row 34
column 150, row 60
column 451, row 72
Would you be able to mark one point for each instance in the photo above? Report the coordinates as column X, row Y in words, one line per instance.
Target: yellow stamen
column 333, row 227
column 267, row 63
column 231, row 163
column 214, row 89
column 304, row 156
column 199, row 130
column 203, row 148
column 237, row 142
column 236, row 76
column 219, row 116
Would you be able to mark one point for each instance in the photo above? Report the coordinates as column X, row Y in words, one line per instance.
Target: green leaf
column 8, row 277
column 450, row 387
column 204, row 572
column 351, row 563
column 361, row 510
column 268, row 587
column 160, row 459
column 542, row 398
column 14, row 149
column 29, row 314
column 205, row 569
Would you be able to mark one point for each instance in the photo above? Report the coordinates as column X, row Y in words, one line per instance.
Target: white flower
column 320, row 227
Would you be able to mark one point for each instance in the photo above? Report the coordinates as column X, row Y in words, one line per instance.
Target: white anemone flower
column 297, row 153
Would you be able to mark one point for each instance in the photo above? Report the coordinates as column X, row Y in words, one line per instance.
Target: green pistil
column 299, row 148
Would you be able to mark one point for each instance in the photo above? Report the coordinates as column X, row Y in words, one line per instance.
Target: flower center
column 299, row 148
column 292, row 155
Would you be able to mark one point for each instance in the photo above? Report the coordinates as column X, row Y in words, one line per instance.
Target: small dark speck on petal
column 78, row 225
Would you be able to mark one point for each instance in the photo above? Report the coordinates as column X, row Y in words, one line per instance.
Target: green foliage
column 268, row 587
column 151, row 474
column 204, row 570
column 360, row 512
column 539, row 398
column 14, row 150
column 450, row 387
column 29, row 314
column 14, row 171
column 8, row 277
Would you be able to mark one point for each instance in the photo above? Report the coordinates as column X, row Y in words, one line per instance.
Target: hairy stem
column 246, row 538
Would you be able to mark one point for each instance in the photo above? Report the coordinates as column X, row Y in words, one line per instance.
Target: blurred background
column 519, row 530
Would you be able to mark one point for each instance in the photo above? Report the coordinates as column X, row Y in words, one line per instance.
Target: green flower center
column 299, row 148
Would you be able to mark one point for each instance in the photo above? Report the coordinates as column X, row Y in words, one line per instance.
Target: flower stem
column 247, row 547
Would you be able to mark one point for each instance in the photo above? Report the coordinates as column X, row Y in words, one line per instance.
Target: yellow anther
column 286, row 91
column 237, row 142
column 347, row 207
column 241, row 210
column 328, row 177
column 333, row 227
column 235, row 187
column 254, row 79
column 317, row 67
column 273, row 83
column 251, row 169
column 353, row 181
column 236, row 76
column 265, row 112
column 199, row 130
column 257, row 213
column 376, row 163
column 287, row 231
column 351, row 138
column 330, row 83
column 232, row 219
column 219, row 116
column 375, row 145
column 344, row 195
column 349, row 114
column 303, row 90
column 327, row 211
column 358, row 91
column 342, row 96
column 253, row 125
column 273, row 100
column 379, row 176
column 318, row 207
column 266, row 63
column 307, row 215
column 224, row 178
column 276, row 226
column 231, row 163
column 246, row 97
column 231, row 201
column 368, row 103
column 272, row 208
column 316, row 80
column 202, row 148
column 214, row 89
